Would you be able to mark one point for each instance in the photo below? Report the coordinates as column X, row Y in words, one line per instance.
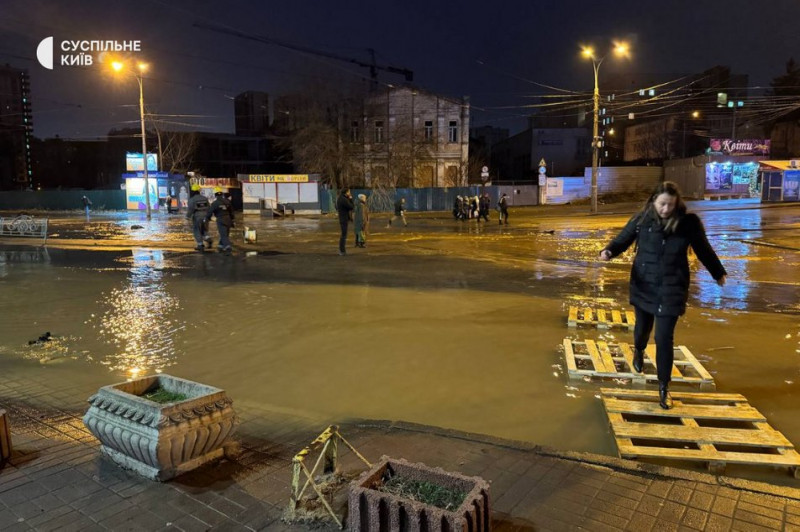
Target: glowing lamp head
column 117, row 66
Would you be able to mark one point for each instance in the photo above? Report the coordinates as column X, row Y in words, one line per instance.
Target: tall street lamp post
column 142, row 68
column 620, row 49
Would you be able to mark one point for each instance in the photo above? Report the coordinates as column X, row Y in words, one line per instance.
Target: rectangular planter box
column 375, row 511
column 160, row 441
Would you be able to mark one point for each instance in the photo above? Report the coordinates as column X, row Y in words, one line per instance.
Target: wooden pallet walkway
column 716, row 428
column 601, row 360
column 601, row 318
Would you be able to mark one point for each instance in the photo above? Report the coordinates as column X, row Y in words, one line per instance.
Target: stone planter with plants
column 398, row 495
column 161, row 426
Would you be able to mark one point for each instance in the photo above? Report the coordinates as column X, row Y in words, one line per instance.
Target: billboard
column 791, row 185
column 133, row 162
column 134, row 193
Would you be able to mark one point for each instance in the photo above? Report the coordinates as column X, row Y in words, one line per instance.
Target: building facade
column 252, row 115
column 16, row 129
column 408, row 137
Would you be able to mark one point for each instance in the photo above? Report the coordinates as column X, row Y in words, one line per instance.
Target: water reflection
column 139, row 321
column 22, row 256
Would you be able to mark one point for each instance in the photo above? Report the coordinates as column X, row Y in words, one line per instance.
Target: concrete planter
column 160, row 441
column 375, row 511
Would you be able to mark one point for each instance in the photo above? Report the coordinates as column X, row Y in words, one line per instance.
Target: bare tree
column 177, row 151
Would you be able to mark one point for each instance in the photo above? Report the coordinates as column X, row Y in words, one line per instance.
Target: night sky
column 490, row 51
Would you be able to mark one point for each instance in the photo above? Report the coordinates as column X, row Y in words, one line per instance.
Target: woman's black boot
column 664, row 399
column 638, row 360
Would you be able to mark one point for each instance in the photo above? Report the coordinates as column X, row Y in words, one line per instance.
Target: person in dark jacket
column 222, row 209
column 399, row 212
column 659, row 283
column 344, row 206
column 86, row 204
column 502, row 206
column 197, row 208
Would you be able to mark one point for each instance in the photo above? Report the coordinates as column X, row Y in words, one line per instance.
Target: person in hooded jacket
column 659, row 283
column 196, row 212
column 222, row 209
column 361, row 221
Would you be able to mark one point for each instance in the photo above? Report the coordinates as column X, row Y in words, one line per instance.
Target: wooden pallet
column 601, row 318
column 716, row 428
column 602, row 360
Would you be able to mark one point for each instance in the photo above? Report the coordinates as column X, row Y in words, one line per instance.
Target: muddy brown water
column 441, row 323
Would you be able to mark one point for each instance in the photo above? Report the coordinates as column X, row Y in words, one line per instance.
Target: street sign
column 542, row 180
column 542, row 170
column 484, row 174
column 542, row 163
column 485, row 170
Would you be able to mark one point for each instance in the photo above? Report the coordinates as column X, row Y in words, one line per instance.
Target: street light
column 620, row 49
column 142, row 68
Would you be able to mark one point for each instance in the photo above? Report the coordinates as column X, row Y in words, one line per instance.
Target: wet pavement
column 442, row 324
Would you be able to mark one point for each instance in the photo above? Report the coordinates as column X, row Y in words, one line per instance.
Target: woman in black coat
column 659, row 286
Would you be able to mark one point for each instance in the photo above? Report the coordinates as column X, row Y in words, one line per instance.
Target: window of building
column 355, row 134
column 429, row 130
column 378, row 131
column 452, row 131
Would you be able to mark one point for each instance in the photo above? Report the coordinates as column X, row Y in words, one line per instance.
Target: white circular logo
column 44, row 53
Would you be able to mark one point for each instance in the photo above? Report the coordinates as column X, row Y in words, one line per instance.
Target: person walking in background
column 659, row 282
column 484, row 204
column 222, row 210
column 399, row 212
column 344, row 206
column 502, row 207
column 86, row 204
column 196, row 210
column 361, row 221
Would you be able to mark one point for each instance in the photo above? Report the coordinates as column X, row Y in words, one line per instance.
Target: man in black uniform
column 222, row 209
column 344, row 206
column 196, row 212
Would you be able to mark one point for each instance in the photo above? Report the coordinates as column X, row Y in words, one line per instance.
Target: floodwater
column 442, row 323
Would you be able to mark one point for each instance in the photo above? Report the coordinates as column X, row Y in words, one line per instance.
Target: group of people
column 358, row 213
column 477, row 207
column 200, row 211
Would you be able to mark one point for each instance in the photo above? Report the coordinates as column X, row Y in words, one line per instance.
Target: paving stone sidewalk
column 57, row 478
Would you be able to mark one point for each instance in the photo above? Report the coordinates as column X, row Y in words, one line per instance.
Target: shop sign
column 739, row 147
column 276, row 178
column 214, row 182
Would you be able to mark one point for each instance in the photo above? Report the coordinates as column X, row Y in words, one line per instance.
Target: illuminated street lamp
column 142, row 68
column 620, row 49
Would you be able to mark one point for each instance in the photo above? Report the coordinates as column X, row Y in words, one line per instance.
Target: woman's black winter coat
column 660, row 273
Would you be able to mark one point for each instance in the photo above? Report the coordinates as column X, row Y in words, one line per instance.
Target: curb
column 591, row 459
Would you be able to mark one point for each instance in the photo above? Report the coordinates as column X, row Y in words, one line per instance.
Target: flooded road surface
column 442, row 323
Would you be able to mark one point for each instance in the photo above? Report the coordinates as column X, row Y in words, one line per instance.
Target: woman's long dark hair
column 670, row 188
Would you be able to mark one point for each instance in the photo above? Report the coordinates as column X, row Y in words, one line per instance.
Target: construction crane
column 373, row 67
